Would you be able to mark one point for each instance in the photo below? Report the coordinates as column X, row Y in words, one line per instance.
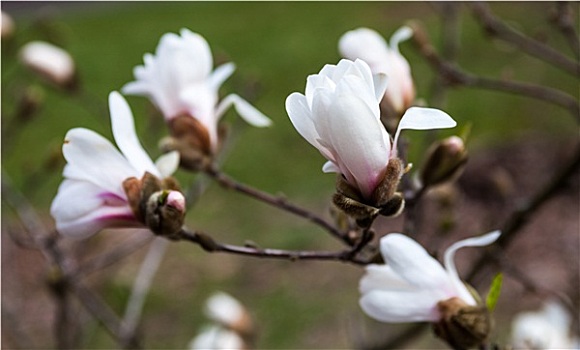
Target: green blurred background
column 275, row 45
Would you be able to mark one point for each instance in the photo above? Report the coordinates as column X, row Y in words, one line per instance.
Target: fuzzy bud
column 462, row 326
column 51, row 62
column 445, row 161
column 384, row 200
column 158, row 204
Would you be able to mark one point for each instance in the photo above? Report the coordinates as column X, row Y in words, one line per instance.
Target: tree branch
column 496, row 27
column 276, row 201
column 564, row 19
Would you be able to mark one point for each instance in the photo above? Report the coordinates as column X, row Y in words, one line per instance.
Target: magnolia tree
column 353, row 111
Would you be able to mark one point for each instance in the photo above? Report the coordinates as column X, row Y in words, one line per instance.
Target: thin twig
column 456, row 76
column 276, row 201
column 141, row 287
column 496, row 27
column 210, row 245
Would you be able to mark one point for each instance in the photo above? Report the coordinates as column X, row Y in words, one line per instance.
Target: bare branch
column 276, row 201
column 456, row 76
column 210, row 245
column 496, row 27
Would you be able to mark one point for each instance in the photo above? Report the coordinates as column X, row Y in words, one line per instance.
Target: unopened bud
column 51, row 62
column 230, row 313
column 384, row 200
column 462, row 326
column 7, row 25
column 157, row 204
column 445, row 161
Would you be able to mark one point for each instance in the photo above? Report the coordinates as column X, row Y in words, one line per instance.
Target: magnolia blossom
column 339, row 115
column 52, row 62
column 370, row 46
column 412, row 283
column 218, row 338
column 92, row 196
column 179, row 81
column 224, row 309
column 548, row 328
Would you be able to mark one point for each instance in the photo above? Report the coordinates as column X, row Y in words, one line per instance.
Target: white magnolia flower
column 224, row 309
column 339, row 115
column 52, row 62
column 92, row 197
column 548, row 328
column 218, row 338
column 412, row 283
column 179, row 81
column 368, row 45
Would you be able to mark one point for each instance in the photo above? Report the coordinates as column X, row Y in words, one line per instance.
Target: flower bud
column 51, row 62
column 157, row 204
column 462, row 326
column 7, row 25
column 230, row 313
column 445, row 161
column 384, row 200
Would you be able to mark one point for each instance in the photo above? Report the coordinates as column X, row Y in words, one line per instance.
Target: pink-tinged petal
column 450, row 264
column 248, row 112
column 412, row 263
column 168, row 163
column 380, row 82
column 360, row 145
column 419, row 118
column 81, row 209
column 382, row 277
column 126, row 137
column 93, row 158
column 401, row 306
column 176, row 200
column 356, row 86
column 221, row 74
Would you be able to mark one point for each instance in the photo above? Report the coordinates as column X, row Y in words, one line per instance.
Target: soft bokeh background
column 275, row 46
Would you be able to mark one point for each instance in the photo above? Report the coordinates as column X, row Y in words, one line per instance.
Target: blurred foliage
column 275, row 46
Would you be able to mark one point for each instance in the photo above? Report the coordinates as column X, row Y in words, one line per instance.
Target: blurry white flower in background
column 51, row 62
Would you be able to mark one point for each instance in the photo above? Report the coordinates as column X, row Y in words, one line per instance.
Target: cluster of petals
column 548, row 328
column 91, row 197
column 179, row 80
column 339, row 114
column 412, row 283
column 370, row 46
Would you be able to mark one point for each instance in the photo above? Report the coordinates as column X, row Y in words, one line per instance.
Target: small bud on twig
column 445, row 161
column 51, row 62
column 462, row 326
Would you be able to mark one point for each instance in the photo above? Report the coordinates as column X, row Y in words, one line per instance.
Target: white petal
column 126, row 137
column 81, row 209
column 224, row 309
column 419, row 118
column 301, row 117
column 330, row 167
column 380, row 82
column 450, row 264
column 367, row 45
column 382, row 277
column 248, row 112
column 412, row 263
column 93, row 158
column 167, row 163
column 402, row 34
column 358, row 139
column 401, row 306
column 220, row 74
